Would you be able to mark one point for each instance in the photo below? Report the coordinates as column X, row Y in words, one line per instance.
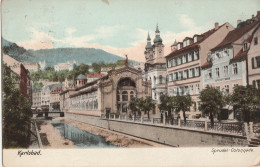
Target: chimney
column 238, row 21
column 253, row 16
column 258, row 14
column 216, row 25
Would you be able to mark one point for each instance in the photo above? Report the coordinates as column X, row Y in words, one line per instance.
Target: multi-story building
column 109, row 94
column 254, row 57
column 31, row 66
column 155, row 66
column 185, row 60
column 226, row 65
column 36, row 98
column 24, row 83
column 64, row 66
column 46, row 95
column 55, row 97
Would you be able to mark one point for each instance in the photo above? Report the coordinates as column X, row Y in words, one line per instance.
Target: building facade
column 36, row 98
column 185, row 60
column 227, row 62
column 110, row 94
column 24, row 83
column 31, row 66
column 55, row 97
column 64, row 66
column 155, row 67
column 254, row 58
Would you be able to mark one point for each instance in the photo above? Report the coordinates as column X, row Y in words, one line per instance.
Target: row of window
column 155, row 80
column 192, row 56
column 218, row 55
column 189, row 73
column 122, row 107
column 124, row 96
column 208, row 75
column 92, row 105
column 84, row 97
column 184, row 90
column 226, row 88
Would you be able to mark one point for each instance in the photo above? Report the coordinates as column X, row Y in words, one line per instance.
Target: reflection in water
column 80, row 137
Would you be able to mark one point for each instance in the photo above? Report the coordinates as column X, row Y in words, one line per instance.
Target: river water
column 81, row 138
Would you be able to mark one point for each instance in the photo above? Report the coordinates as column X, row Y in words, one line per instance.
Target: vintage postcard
column 130, row 83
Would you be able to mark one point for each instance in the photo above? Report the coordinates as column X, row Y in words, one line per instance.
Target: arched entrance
column 126, row 90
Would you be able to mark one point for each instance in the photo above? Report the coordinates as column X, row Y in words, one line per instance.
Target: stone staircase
column 254, row 142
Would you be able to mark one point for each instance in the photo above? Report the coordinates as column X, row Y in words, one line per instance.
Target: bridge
column 46, row 114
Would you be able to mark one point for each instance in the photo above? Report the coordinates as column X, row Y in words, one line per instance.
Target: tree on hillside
column 83, row 68
column 246, row 100
column 16, row 113
column 212, row 102
column 96, row 67
column 182, row 103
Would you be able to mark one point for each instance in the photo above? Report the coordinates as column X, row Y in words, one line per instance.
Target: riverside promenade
column 175, row 133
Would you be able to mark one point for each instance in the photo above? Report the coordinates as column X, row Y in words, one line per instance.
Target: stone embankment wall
column 173, row 136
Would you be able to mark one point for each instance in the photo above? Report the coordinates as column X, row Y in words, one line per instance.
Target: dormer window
column 245, row 47
column 178, row 46
column 187, row 42
column 184, row 43
column 195, row 39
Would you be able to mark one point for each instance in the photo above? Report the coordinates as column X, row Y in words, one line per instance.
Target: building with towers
column 155, row 66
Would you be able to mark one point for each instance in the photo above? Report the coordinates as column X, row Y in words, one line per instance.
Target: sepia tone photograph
column 149, row 82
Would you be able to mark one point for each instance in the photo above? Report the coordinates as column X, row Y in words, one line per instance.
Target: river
column 81, row 138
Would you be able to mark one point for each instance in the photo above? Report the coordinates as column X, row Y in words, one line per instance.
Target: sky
column 117, row 26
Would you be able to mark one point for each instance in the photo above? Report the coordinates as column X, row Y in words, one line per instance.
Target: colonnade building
column 111, row 93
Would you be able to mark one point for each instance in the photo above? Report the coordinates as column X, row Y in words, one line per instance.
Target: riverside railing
column 256, row 129
column 236, row 128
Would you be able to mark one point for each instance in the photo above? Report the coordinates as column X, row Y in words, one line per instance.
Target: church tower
column 158, row 45
column 148, row 49
column 155, row 67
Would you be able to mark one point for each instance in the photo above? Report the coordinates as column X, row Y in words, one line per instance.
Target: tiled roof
column 240, row 54
column 29, row 63
column 235, row 35
column 205, row 35
column 55, row 86
column 207, row 64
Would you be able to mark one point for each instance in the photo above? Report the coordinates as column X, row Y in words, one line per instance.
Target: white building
column 36, row 98
column 64, row 66
column 31, row 66
column 155, row 66
column 42, row 64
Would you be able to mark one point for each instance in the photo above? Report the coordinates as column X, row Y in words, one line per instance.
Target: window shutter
column 253, row 63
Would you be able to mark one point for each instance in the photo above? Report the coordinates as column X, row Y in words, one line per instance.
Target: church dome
column 148, row 46
column 81, row 76
column 157, row 39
